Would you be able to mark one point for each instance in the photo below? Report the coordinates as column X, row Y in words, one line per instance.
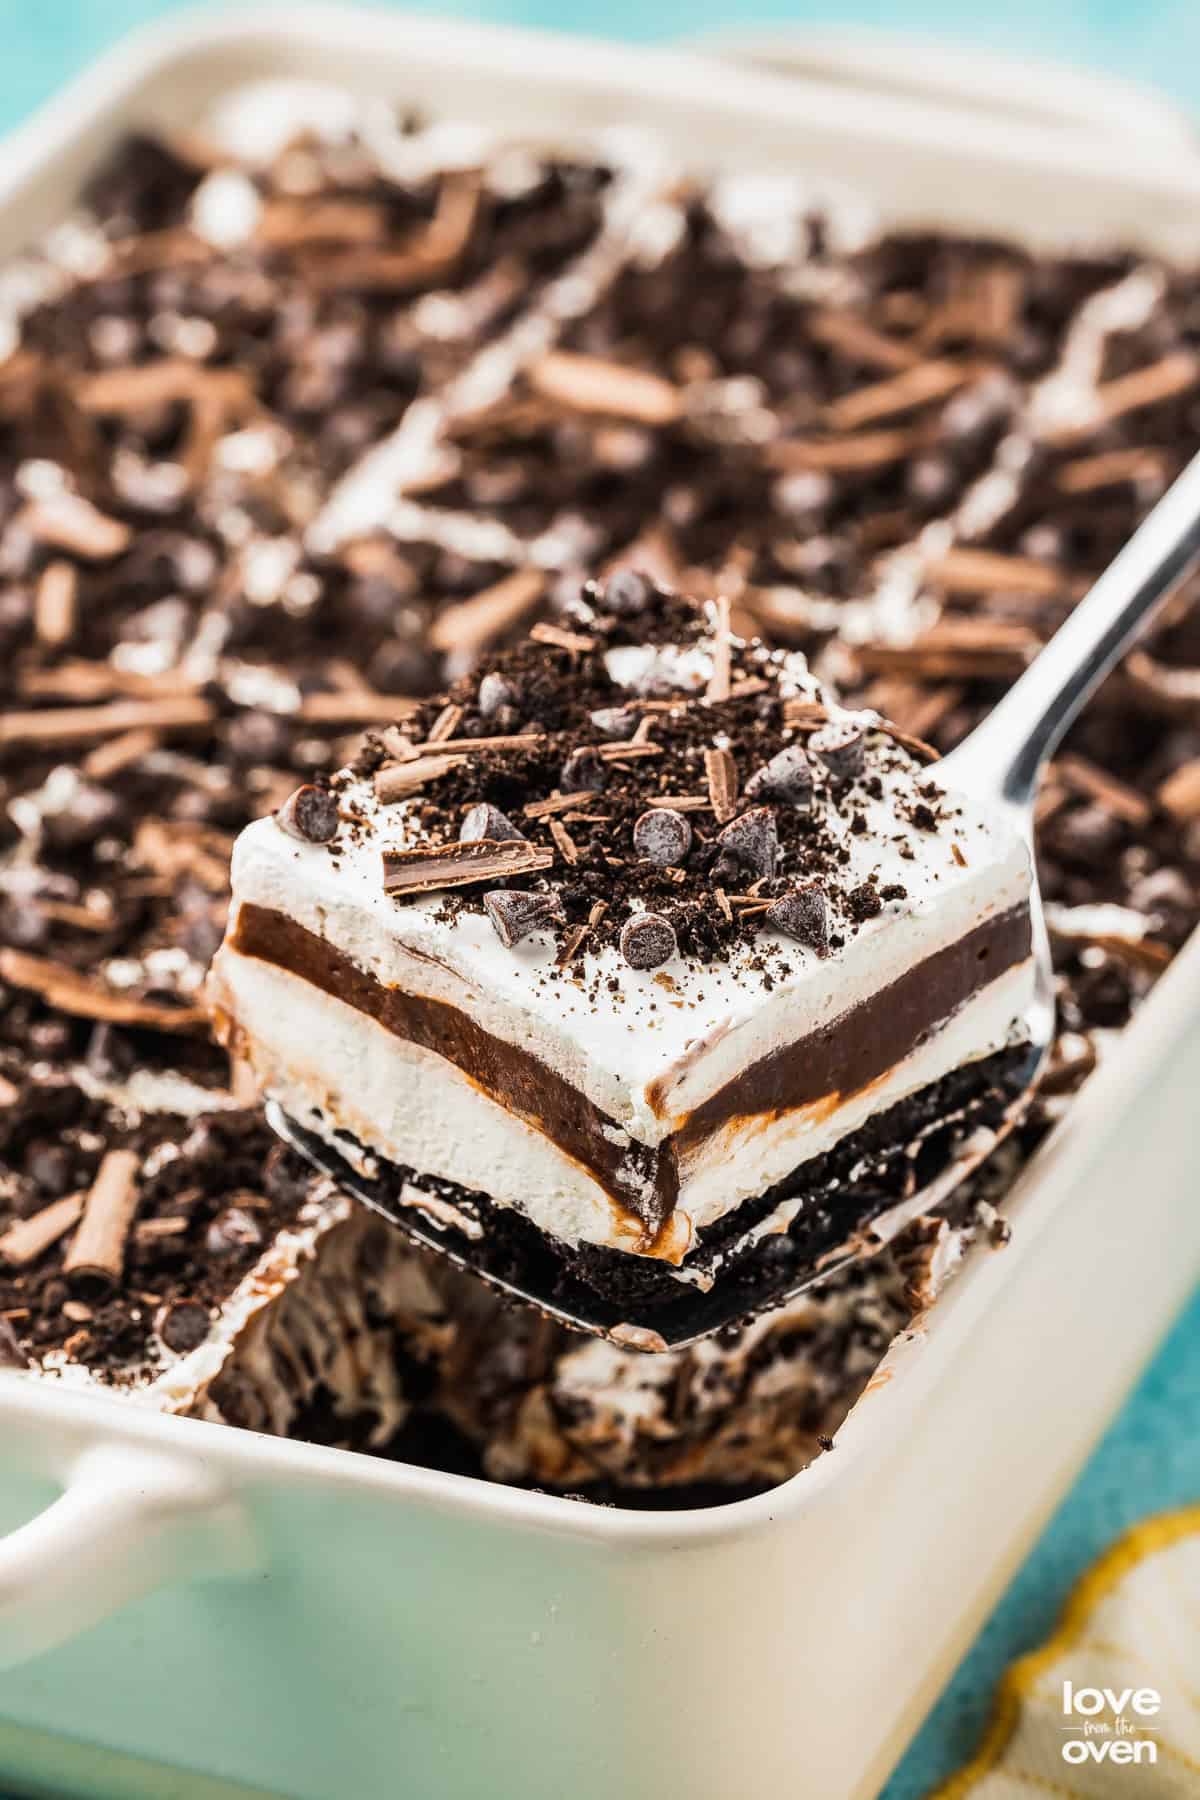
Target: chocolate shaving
column 572, row 943
column 85, row 998
column 969, row 572
column 361, row 707
column 401, row 780
column 622, row 753
column 1117, row 797
column 108, row 759
column 1179, row 794
column 722, row 654
column 474, row 625
column 1110, row 468
column 840, row 455
column 805, row 715
column 590, row 384
column 96, row 1257
column 430, row 257
column 860, row 341
column 913, row 388
column 75, row 679
column 526, row 740
column 55, row 605
column 459, row 865
column 446, row 724
column 721, row 773
column 83, row 724
column 286, row 224
column 956, row 648
column 558, row 803
column 1173, row 691
column 574, row 641
column 565, row 842
column 682, row 802
column 27, row 1239
column 1172, row 375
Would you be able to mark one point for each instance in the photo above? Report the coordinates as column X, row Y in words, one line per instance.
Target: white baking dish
column 276, row 1616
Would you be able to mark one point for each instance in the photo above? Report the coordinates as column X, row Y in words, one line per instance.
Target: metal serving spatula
column 999, row 764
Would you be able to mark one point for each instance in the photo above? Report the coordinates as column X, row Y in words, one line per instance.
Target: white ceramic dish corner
column 201, row 1611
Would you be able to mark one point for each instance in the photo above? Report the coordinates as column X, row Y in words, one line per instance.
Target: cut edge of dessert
column 636, row 959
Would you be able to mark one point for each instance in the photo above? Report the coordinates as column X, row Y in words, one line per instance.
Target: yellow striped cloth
column 1109, row 1707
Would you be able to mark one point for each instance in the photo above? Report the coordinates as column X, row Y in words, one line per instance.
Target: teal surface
column 1143, row 40
column 1150, row 1459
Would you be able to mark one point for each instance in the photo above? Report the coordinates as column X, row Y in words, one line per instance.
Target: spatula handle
column 1005, row 754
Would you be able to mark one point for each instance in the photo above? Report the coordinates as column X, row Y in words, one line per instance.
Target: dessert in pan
column 672, row 962
column 298, row 429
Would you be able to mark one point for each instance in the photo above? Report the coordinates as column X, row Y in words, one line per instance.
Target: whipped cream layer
column 656, row 1060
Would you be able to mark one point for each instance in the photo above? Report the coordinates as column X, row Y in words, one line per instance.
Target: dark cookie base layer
column 892, row 1157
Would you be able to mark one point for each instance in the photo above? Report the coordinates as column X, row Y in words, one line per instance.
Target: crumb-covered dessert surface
column 297, row 422
column 624, row 1037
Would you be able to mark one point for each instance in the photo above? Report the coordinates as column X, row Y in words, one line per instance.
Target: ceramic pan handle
column 128, row 1520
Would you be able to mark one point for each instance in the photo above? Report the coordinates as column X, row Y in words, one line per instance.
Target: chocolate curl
column 87, row 724
column 408, row 778
column 719, row 681
column 472, row 625
column 25, row 1241
column 55, row 606
column 97, row 1254
column 721, row 772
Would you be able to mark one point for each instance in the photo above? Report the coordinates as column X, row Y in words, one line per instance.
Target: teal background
column 1150, row 1459
column 44, row 41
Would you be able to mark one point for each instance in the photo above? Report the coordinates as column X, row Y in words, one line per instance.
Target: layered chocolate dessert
column 645, row 960
column 304, row 414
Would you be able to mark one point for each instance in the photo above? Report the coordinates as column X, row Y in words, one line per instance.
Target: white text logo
column 1110, row 1724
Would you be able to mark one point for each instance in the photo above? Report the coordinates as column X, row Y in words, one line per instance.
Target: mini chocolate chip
column 841, row 746
column 803, row 915
column 258, row 737
column 484, row 821
column 233, row 1230
column 931, row 481
column 311, row 813
column 616, row 723
column 496, row 691
column 184, row 1326
column 583, row 769
column 662, row 836
column 648, row 940
column 787, row 777
column 23, row 926
column 402, row 668
column 751, row 842
column 624, row 594
column 90, row 812
column 514, row 914
column 50, row 1167
column 109, row 1053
